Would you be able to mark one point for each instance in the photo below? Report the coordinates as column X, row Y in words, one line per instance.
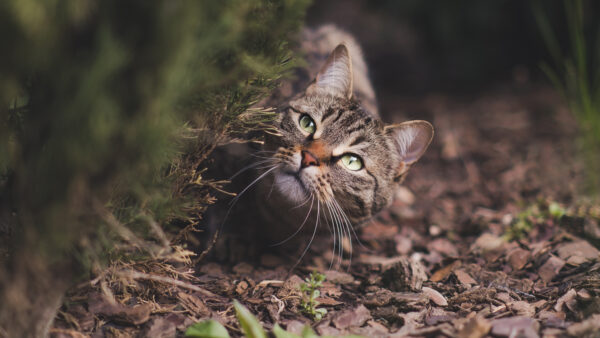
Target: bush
column 98, row 102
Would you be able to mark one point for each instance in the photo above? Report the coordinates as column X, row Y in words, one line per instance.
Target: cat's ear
column 411, row 140
column 335, row 77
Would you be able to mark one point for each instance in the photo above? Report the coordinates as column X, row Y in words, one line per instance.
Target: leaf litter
column 485, row 239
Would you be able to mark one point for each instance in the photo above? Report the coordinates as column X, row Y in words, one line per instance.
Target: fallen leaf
column 523, row 308
column 134, row 315
column 581, row 249
column 337, row 277
column 194, row 305
column 353, row 317
column 327, row 301
column 550, row 268
column 566, row 299
column 444, row 246
column 524, row 327
column 476, row 327
column 435, row 296
column 518, row 258
column 444, row 272
column 160, row 327
column 587, row 328
column 464, row 277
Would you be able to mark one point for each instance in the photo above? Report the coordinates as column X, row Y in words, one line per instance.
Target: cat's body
column 335, row 164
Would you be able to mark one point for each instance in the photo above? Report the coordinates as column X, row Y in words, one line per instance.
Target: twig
column 210, row 246
column 166, row 280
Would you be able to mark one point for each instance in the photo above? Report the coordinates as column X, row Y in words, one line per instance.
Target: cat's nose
column 308, row 159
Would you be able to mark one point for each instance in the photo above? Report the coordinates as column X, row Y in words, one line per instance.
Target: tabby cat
column 334, row 164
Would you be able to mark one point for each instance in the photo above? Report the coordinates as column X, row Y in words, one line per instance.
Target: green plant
column 249, row 324
column 576, row 75
column 535, row 214
column 310, row 291
column 107, row 110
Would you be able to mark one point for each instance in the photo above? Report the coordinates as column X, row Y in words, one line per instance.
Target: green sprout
column 536, row 214
column 309, row 301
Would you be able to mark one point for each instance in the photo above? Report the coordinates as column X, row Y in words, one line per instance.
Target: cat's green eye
column 352, row 162
column 307, row 124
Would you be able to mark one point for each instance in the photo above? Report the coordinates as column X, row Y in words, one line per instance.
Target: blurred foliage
column 576, row 75
column 108, row 108
column 535, row 215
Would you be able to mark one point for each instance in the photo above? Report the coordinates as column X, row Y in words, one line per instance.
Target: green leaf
column 556, row 210
column 281, row 333
column 207, row 329
column 250, row 325
column 307, row 332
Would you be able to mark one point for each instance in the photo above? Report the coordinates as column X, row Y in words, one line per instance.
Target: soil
column 487, row 237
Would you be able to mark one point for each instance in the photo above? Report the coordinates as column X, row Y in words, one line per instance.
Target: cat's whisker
column 340, row 236
column 333, row 231
column 301, row 225
column 341, row 227
column 253, row 183
column 234, row 201
column 347, row 227
column 351, row 227
column 250, row 166
column 312, row 237
column 303, row 203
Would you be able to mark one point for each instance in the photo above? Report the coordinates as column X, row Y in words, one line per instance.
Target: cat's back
column 315, row 46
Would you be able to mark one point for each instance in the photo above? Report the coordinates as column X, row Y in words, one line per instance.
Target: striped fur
column 341, row 102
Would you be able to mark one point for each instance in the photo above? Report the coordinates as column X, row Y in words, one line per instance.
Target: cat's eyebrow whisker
column 312, row 237
column 301, row 225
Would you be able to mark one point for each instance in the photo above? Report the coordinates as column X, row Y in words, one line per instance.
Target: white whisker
column 334, row 232
column 301, row 225
column 250, row 166
column 313, row 235
column 233, row 202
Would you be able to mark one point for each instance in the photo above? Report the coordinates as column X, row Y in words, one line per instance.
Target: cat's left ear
column 411, row 140
column 335, row 77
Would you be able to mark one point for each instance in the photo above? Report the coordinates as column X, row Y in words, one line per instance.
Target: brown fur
column 292, row 193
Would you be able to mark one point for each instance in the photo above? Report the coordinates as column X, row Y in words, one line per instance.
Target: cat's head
column 333, row 149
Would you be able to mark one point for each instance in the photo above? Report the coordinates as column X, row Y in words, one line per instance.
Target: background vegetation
column 107, row 109
column 98, row 102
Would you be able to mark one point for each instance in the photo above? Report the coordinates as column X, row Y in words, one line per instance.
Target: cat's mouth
column 291, row 185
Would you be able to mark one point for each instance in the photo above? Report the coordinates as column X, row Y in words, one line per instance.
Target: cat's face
column 332, row 150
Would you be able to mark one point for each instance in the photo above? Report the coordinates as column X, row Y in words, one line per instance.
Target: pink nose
column 308, row 159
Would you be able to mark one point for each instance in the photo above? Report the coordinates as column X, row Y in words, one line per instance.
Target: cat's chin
column 291, row 187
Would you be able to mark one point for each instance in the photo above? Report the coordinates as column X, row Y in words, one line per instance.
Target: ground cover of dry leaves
column 476, row 245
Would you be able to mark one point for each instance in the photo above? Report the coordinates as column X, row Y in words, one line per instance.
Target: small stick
column 166, row 280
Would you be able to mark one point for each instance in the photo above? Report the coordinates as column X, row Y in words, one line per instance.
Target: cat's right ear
column 335, row 77
column 411, row 139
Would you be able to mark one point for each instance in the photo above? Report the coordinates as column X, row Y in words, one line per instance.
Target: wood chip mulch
column 470, row 248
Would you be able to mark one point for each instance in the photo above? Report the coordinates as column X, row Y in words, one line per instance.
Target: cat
column 332, row 162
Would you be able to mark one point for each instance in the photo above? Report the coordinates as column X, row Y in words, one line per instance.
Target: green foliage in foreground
column 107, row 109
column 576, row 75
column 250, row 325
column 309, row 301
column 94, row 97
